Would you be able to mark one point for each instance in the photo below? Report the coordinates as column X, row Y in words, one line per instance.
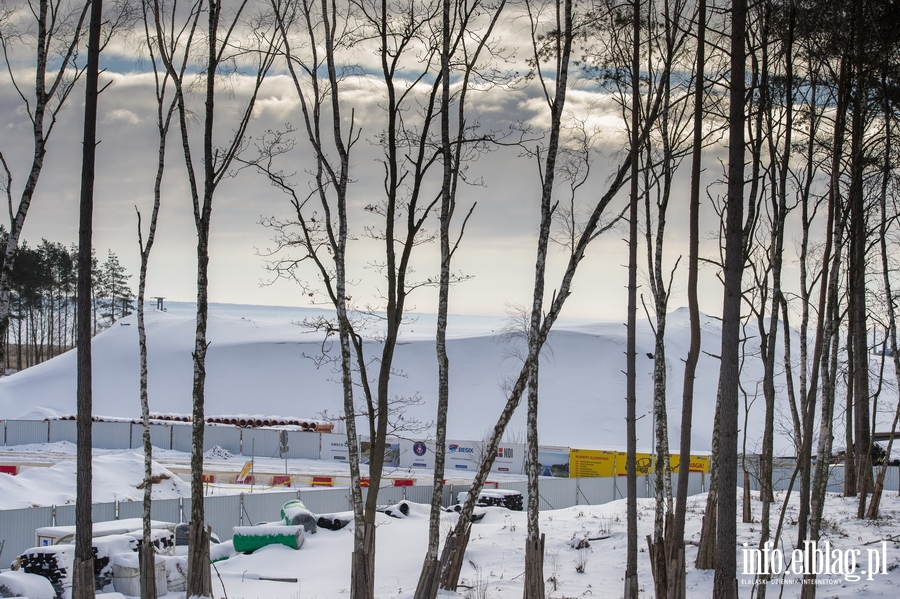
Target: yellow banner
column 596, row 462
column 643, row 463
column 591, row 462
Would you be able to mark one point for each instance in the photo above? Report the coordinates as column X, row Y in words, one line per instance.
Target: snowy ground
column 496, row 553
column 258, row 363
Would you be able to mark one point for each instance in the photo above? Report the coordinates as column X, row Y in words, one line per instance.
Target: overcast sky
column 497, row 252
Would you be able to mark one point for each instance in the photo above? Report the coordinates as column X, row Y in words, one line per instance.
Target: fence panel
column 644, row 487
column 389, row 495
column 64, row 515
column 596, row 491
column 696, row 483
column 892, row 479
column 226, row 437
column 223, row 513
column 263, row 442
column 103, row 512
column 836, row 479
column 135, row 509
column 325, row 501
column 63, row 430
column 452, row 491
column 26, row 432
column 160, row 435
column 170, row 510
column 3, row 432
column 164, row 510
column 181, row 437
column 265, row 507
column 556, row 493
column 17, row 530
column 418, row 493
column 111, row 435
column 303, row 445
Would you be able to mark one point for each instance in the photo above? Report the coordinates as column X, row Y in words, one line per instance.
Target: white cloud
column 121, row 115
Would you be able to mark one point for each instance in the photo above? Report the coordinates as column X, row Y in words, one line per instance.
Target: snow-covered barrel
column 294, row 513
column 248, row 539
column 126, row 574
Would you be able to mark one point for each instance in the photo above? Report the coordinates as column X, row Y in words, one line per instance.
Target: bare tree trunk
column 676, row 574
column 878, row 489
column 83, row 579
column 452, row 555
column 163, row 120
column 217, row 160
column 534, row 545
column 706, row 548
column 725, row 581
column 631, row 577
column 858, row 330
column 451, row 151
column 427, row 585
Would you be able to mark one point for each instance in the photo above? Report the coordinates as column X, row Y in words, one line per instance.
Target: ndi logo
column 814, row 560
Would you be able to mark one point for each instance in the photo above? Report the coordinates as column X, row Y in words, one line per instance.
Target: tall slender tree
column 631, row 577
column 676, row 575
column 83, row 576
column 165, row 110
column 725, row 580
column 215, row 50
column 59, row 31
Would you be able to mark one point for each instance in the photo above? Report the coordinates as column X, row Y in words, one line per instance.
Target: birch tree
column 57, row 29
column 214, row 51
column 165, row 110
column 453, row 48
column 596, row 222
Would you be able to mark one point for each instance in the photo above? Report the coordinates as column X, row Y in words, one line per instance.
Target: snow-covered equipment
column 56, row 535
column 477, row 515
column 126, row 574
column 511, row 500
column 22, row 584
column 163, row 540
column 183, row 533
column 400, row 510
column 53, row 563
column 332, row 522
column 105, row 548
column 294, row 513
column 221, row 552
column 248, row 539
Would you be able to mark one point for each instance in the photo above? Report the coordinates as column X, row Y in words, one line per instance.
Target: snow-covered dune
column 268, row 366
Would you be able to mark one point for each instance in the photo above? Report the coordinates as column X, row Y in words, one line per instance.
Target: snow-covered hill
column 261, row 362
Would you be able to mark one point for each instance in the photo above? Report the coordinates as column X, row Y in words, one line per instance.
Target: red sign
column 13, row 470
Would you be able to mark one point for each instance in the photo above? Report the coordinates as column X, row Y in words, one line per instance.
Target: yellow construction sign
column 598, row 462
column 245, row 472
column 591, row 462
